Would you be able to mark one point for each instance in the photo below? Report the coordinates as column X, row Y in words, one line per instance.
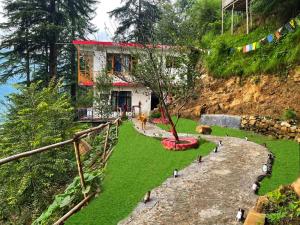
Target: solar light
column 216, row 149
column 255, row 187
column 199, row 159
column 220, row 143
column 175, row 173
column 265, row 168
column 147, row 197
column 240, row 215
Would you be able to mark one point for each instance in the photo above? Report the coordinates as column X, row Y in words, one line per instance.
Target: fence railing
column 75, row 141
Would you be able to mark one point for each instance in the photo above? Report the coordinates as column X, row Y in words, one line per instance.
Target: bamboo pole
column 74, row 209
column 33, row 152
column 232, row 19
column 247, row 14
column 106, row 141
column 79, row 166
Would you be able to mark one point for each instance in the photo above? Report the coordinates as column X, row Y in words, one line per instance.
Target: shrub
column 289, row 114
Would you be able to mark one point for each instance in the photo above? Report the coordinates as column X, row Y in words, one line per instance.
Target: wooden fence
column 75, row 141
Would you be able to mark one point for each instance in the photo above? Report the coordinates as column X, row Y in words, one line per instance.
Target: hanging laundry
column 270, row 38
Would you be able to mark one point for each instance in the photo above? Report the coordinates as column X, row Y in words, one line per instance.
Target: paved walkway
column 209, row 193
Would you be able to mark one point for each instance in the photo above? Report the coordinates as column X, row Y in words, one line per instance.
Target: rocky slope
column 258, row 95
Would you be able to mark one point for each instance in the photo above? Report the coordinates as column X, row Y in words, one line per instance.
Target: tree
column 137, row 19
column 36, row 38
column 35, row 117
column 102, row 95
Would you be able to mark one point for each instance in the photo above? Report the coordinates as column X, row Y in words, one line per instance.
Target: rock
column 261, row 201
column 203, row 129
column 285, row 124
column 255, row 218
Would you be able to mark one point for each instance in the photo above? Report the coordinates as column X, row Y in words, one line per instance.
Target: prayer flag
column 292, row 23
column 297, row 20
column 258, row 45
column 239, row 49
column 254, row 46
column 263, row 41
column 244, row 49
column 288, row 27
column 278, row 35
column 270, row 38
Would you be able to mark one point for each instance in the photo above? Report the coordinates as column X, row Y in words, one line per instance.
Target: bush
column 289, row 114
column 155, row 115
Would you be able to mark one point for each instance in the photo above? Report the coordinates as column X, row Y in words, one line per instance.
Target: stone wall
column 221, row 120
column 275, row 128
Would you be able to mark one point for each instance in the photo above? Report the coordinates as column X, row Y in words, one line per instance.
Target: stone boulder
column 255, row 218
column 203, row 129
column 296, row 186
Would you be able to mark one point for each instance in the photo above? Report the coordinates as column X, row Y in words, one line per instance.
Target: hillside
column 267, row 95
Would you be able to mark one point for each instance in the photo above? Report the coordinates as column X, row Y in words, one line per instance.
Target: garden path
column 207, row 193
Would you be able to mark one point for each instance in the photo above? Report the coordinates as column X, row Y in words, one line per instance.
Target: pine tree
column 137, row 19
column 35, row 33
column 36, row 117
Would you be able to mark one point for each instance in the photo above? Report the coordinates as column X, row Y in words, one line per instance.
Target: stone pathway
column 209, row 193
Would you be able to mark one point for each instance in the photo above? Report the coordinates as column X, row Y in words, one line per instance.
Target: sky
column 106, row 25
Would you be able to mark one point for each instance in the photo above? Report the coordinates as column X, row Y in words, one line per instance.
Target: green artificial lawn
column 286, row 166
column 138, row 164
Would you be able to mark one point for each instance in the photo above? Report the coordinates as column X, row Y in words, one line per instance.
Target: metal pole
column 247, row 15
column 222, row 20
column 232, row 19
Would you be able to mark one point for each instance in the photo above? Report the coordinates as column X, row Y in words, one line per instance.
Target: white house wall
column 138, row 94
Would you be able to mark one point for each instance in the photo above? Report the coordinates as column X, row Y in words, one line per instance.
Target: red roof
column 121, row 84
column 112, row 44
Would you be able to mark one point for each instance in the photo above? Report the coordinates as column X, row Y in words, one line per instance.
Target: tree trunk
column 139, row 22
column 73, row 66
column 174, row 131
column 27, row 68
column 52, row 43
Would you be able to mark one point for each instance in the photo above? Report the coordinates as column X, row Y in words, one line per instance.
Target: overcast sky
column 106, row 26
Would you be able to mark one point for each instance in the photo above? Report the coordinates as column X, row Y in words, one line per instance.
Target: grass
column 286, row 165
column 137, row 165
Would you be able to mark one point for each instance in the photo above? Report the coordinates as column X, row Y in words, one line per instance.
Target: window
column 118, row 63
column 121, row 99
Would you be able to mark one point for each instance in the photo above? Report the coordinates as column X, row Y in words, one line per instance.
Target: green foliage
column 85, row 97
column 155, row 115
column 283, row 206
column 138, row 164
column 63, row 202
column 36, row 117
column 275, row 58
column 102, row 95
column 93, row 167
column 137, row 19
column 289, row 114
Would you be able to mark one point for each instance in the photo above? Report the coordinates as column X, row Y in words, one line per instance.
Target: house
column 118, row 60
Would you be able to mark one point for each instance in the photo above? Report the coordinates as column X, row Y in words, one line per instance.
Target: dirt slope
column 258, row 95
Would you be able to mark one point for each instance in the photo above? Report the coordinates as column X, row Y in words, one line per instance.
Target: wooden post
column 250, row 11
column 232, row 19
column 106, row 142
column 79, row 166
column 117, row 126
column 247, row 15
